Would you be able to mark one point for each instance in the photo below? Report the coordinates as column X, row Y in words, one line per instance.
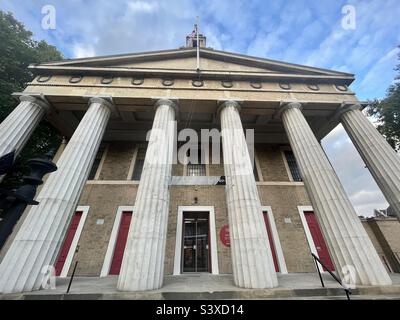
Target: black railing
column 72, row 277
column 317, row 260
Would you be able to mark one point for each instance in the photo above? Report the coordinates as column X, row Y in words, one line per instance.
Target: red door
column 271, row 241
column 319, row 240
column 67, row 242
column 121, row 242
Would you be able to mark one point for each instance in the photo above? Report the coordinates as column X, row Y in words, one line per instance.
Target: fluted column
column 352, row 252
column 252, row 261
column 17, row 128
column 39, row 239
column 382, row 161
column 143, row 262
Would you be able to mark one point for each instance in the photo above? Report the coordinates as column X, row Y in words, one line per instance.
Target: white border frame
column 258, row 166
column 105, row 270
column 133, row 163
column 102, row 160
column 277, row 242
column 213, row 237
column 289, row 173
column 75, row 240
column 310, row 240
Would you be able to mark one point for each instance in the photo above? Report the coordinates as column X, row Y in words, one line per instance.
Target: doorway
column 319, row 241
column 195, row 242
column 120, row 243
column 118, row 238
column 315, row 238
column 271, row 241
column 70, row 244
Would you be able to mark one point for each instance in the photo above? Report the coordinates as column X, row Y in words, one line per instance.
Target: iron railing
column 72, row 277
column 345, row 288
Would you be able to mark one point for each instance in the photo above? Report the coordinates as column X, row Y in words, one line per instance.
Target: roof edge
column 188, row 51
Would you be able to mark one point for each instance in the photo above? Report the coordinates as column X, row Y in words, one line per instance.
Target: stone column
column 143, row 262
column 17, row 128
column 37, row 243
column 355, row 258
column 252, row 261
column 382, row 161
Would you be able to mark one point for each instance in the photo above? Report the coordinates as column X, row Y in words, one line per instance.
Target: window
column 139, row 162
column 97, row 161
column 197, row 169
column 294, row 169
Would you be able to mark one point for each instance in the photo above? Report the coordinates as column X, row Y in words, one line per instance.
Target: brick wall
column 284, row 201
column 271, row 163
column 104, row 198
column 384, row 233
column 117, row 161
column 206, row 196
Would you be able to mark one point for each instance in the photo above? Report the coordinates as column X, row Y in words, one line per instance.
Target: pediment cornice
column 132, row 65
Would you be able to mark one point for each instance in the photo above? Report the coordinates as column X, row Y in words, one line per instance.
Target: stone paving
column 206, row 286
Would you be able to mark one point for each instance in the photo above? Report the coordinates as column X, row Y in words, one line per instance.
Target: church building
column 195, row 160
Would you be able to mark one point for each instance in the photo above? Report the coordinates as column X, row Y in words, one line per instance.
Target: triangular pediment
column 185, row 61
column 190, row 63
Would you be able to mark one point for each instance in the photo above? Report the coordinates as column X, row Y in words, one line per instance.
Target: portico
column 118, row 99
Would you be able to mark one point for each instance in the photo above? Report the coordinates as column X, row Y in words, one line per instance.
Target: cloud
column 82, row 50
column 298, row 31
column 384, row 65
column 360, row 186
column 142, row 7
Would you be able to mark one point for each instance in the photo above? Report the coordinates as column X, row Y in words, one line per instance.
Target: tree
column 387, row 111
column 17, row 50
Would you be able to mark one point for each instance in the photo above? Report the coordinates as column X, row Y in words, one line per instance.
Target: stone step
column 386, row 293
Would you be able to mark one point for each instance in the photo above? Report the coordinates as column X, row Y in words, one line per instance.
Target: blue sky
column 300, row 31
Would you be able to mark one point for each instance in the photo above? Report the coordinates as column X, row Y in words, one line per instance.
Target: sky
column 360, row 37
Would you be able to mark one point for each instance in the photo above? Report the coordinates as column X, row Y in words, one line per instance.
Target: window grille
column 294, row 169
column 196, row 169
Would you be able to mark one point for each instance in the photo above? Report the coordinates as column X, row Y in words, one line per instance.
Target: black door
column 195, row 242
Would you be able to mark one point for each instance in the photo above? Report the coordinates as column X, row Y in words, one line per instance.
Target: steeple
column 191, row 39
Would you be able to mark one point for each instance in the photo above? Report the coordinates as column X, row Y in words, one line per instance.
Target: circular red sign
column 224, row 236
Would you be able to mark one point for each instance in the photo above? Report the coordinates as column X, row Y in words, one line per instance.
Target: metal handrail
column 316, row 259
column 72, row 277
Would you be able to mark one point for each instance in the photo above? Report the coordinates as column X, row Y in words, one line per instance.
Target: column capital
column 36, row 98
column 285, row 105
column 104, row 100
column 169, row 101
column 346, row 107
column 231, row 102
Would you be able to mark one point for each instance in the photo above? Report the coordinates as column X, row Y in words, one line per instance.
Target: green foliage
column 17, row 50
column 387, row 111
